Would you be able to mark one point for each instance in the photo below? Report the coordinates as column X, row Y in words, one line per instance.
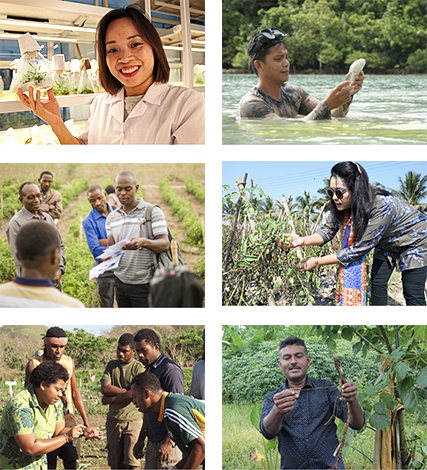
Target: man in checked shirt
column 299, row 413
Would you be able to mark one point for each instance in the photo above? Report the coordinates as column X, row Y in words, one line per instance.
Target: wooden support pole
column 291, row 223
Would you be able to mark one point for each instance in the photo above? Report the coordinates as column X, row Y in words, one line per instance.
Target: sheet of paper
column 107, row 265
column 114, row 249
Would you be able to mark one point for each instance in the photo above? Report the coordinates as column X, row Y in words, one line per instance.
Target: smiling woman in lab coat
column 139, row 106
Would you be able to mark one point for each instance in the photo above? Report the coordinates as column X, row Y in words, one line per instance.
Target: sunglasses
column 267, row 35
column 31, row 198
column 338, row 192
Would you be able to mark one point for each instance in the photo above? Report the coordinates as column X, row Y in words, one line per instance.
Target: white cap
column 27, row 43
column 75, row 65
column 58, row 62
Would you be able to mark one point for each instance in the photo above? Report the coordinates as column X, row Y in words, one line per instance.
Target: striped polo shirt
column 135, row 266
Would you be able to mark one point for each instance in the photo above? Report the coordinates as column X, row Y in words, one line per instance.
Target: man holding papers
column 96, row 238
column 135, row 269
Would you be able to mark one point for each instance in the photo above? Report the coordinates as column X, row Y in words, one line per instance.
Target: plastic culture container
column 14, row 83
column 94, row 76
column 60, row 77
column 85, row 84
column 33, row 68
column 74, row 75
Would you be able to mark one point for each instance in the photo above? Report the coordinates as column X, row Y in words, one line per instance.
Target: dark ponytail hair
column 363, row 195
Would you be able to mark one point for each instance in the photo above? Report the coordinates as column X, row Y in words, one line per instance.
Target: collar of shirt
column 29, row 216
column 141, row 204
column 158, row 361
column 308, row 384
column 162, row 407
column 154, row 96
column 96, row 215
column 27, row 281
column 33, row 397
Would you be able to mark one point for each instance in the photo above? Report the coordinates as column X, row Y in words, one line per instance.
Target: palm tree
column 324, row 197
column 306, row 204
column 413, row 188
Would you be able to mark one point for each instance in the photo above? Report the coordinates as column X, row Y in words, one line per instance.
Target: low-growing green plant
column 35, row 75
column 7, row 264
column 194, row 187
column 73, row 189
column 182, row 209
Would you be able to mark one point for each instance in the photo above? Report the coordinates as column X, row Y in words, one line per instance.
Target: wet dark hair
column 363, row 195
column 49, row 372
column 149, row 335
column 148, row 32
column 290, row 341
column 55, row 332
column 262, row 53
column 127, row 339
column 147, row 380
column 35, row 240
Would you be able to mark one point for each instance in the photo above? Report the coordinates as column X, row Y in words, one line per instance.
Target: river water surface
column 390, row 109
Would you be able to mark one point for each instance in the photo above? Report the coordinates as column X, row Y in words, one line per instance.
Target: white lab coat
column 167, row 114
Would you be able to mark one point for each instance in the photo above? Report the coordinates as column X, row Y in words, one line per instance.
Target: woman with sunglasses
column 139, row 106
column 368, row 217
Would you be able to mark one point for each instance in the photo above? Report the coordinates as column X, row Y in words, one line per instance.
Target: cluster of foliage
column 185, row 346
column 182, row 208
column 195, row 188
column 73, row 189
column 7, row 264
column 255, row 269
column 389, row 34
column 253, row 371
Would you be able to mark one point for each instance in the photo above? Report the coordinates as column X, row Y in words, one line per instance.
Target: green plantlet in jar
column 61, row 89
column 85, row 91
column 36, row 75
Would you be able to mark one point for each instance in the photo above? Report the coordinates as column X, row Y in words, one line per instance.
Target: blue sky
column 293, row 178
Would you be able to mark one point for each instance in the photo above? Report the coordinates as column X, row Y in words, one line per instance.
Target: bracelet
column 66, row 438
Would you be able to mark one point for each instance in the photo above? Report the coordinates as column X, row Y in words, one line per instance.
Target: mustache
column 294, row 367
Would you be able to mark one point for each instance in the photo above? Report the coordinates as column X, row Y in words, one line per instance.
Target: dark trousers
column 413, row 281
column 106, row 284
column 131, row 295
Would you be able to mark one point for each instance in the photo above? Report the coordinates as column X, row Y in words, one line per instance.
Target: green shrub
column 251, row 376
column 73, row 189
column 7, row 265
column 194, row 188
column 199, row 267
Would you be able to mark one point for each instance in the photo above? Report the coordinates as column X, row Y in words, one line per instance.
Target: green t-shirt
column 121, row 375
column 23, row 415
column 184, row 418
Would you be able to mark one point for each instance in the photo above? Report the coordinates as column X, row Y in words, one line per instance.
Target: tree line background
column 328, row 35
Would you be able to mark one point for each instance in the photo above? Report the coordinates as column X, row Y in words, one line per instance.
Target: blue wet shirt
column 94, row 227
column 305, row 440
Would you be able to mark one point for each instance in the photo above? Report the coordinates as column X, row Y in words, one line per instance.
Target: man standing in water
column 300, row 412
column 273, row 98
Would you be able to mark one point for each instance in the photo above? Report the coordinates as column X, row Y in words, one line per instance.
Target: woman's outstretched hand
column 290, row 241
column 46, row 109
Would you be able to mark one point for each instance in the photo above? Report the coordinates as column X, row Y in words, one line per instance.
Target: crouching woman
column 32, row 422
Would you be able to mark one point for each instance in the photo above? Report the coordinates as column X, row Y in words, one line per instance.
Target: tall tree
column 413, row 188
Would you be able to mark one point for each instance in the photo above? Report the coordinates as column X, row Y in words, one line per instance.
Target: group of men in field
column 147, row 406
column 38, row 249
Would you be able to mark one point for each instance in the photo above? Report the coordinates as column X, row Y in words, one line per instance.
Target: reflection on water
column 390, row 109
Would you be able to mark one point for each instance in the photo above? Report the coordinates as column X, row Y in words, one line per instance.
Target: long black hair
column 363, row 195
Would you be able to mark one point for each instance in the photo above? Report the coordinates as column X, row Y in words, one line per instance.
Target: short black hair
column 291, row 340
column 55, row 332
column 149, row 335
column 147, row 380
column 127, row 339
column 110, row 189
column 49, row 372
column 23, row 186
column 46, row 172
column 262, row 53
column 92, row 188
column 35, row 240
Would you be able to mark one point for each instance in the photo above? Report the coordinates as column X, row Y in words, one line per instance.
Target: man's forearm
column 356, row 415
column 273, row 421
column 197, row 455
column 79, row 404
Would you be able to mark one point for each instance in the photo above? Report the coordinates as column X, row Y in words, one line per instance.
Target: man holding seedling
column 96, row 239
column 51, row 199
column 301, row 413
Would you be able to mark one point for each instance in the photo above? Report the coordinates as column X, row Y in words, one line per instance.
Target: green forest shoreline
column 329, row 72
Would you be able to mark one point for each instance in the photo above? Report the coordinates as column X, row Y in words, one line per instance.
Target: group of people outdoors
column 149, row 415
column 38, row 250
column 139, row 106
